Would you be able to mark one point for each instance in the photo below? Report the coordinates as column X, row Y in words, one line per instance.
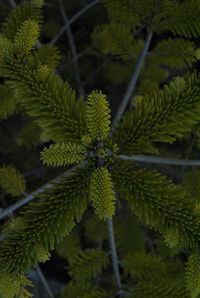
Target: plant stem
column 12, row 3
column 72, row 20
column 115, row 261
column 44, row 281
column 162, row 160
column 73, row 49
column 132, row 84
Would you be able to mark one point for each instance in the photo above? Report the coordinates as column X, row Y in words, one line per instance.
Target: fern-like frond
column 83, row 290
column 98, row 116
column 183, row 19
column 121, row 11
column 146, row 86
column 180, row 18
column 12, row 285
column 191, row 183
column 118, row 72
column 88, row 264
column 11, row 180
column 176, row 52
column 167, row 115
column 96, row 229
column 8, row 102
column 159, row 288
column 46, row 98
column 62, row 154
column 6, row 47
column 117, row 39
column 26, row 37
column 192, row 275
column 129, row 236
column 72, row 243
column 143, row 266
column 102, row 193
column 47, row 55
column 27, row 10
column 171, row 238
column 158, row 202
column 44, row 223
column 29, row 136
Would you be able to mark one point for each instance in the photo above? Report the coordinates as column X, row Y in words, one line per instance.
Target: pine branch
column 158, row 202
column 73, row 50
column 133, row 82
column 44, row 223
column 72, row 20
column 62, row 154
column 161, row 160
column 45, row 97
column 8, row 211
column 102, row 193
column 162, row 117
column 98, row 116
column 115, row 260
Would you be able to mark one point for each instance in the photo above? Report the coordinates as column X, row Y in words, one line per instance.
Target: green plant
column 105, row 173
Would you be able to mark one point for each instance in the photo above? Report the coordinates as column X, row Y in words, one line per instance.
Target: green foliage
column 123, row 37
column 14, row 286
column 45, row 222
column 47, row 55
column 6, row 47
column 158, row 202
column 144, row 266
column 192, row 275
column 157, row 16
column 171, row 238
column 8, row 102
column 96, row 229
column 27, row 10
column 81, row 131
column 87, row 264
column 169, row 114
column 128, row 234
column 69, row 247
column 98, row 116
column 86, row 290
column 63, row 154
column 192, row 182
column 159, row 288
column 117, row 39
column 176, row 52
column 11, row 180
column 29, row 136
column 102, row 193
column 26, row 37
column 45, row 96
column 121, row 12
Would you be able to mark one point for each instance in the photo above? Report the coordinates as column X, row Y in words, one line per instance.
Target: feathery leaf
column 11, row 180
column 159, row 288
column 158, row 202
column 63, row 154
column 102, row 193
column 88, row 264
column 45, row 222
column 192, row 275
column 163, row 117
column 27, row 10
column 98, row 116
column 50, row 101
column 26, row 37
